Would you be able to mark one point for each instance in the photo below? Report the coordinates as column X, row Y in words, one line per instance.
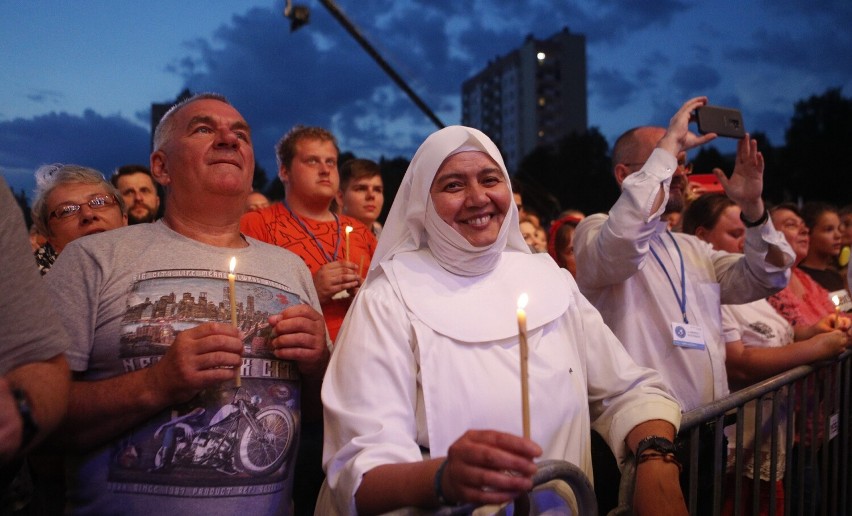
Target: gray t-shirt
column 124, row 295
column 31, row 332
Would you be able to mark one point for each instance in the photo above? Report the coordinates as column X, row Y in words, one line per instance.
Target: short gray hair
column 166, row 127
column 48, row 177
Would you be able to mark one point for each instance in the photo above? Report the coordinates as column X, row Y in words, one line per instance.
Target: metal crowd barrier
column 818, row 400
column 548, row 495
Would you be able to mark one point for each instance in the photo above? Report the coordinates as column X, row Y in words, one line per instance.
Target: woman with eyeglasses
column 759, row 343
column 804, row 303
column 72, row 201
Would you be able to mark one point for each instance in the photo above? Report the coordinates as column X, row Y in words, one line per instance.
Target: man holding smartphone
column 660, row 292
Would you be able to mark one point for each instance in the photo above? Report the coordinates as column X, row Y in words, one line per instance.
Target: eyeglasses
column 793, row 225
column 685, row 167
column 96, row 203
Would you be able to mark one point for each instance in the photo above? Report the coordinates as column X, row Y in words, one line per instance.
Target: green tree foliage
column 709, row 158
column 815, row 160
column 576, row 173
column 259, row 180
column 393, row 170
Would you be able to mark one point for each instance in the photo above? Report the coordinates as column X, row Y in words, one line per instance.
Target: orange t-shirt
column 277, row 226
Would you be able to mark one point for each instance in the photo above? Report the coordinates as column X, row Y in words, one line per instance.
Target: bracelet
column 29, row 427
column 665, row 457
column 439, row 491
column 655, row 443
column 759, row 222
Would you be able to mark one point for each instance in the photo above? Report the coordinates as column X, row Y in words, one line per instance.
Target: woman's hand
column 486, row 466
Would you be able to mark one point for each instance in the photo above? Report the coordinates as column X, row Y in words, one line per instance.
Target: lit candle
column 836, row 300
column 525, row 387
column 232, row 293
column 348, row 230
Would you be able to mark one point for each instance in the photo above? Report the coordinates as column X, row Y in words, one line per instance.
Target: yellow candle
column 348, row 230
column 361, row 267
column 836, row 301
column 232, row 293
column 525, row 387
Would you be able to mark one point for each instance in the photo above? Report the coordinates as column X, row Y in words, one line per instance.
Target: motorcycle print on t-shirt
column 227, row 441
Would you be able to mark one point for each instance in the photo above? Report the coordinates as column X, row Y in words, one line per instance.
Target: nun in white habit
column 422, row 396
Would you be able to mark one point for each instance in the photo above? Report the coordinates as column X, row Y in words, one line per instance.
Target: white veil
column 413, row 224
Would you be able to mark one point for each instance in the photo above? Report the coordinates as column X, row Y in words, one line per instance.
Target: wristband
column 439, row 491
column 759, row 222
column 656, row 443
column 29, row 428
column 665, row 457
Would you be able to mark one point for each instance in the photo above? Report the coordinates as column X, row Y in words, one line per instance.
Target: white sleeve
column 369, row 393
column 749, row 277
column 621, row 393
column 612, row 249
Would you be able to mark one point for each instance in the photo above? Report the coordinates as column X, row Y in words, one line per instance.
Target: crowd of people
column 194, row 346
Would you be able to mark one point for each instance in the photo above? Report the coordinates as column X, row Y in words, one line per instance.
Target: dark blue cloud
column 695, row 79
column 100, row 142
column 612, row 88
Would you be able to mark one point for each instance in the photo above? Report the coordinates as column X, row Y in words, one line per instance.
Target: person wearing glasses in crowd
column 759, row 343
column 72, row 201
column 661, row 292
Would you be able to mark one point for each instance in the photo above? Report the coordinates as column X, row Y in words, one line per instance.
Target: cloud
column 695, row 79
column 612, row 88
column 97, row 141
column 46, row 96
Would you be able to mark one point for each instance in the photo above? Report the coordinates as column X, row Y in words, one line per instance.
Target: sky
column 79, row 76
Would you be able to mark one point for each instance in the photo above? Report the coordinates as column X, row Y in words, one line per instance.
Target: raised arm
column 611, row 249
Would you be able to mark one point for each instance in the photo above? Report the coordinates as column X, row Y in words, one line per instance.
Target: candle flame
column 233, row 264
column 349, row 229
column 522, row 301
column 836, row 300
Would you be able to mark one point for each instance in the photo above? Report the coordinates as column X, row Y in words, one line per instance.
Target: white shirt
column 758, row 325
column 618, row 274
column 395, row 384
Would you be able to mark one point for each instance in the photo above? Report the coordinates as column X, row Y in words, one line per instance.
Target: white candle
column 232, row 294
column 348, row 230
column 525, row 387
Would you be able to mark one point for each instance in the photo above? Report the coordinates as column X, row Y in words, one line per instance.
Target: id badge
column 687, row 335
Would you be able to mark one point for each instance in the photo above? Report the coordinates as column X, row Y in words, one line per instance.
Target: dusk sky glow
column 79, row 77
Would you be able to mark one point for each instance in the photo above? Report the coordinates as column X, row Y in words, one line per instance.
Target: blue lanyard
column 328, row 258
column 681, row 299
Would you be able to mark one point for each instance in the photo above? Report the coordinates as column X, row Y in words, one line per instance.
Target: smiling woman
column 471, row 196
column 442, row 295
column 73, row 201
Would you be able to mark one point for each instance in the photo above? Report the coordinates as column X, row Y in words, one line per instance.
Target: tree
column 815, row 159
column 576, row 172
column 259, row 180
column 393, row 170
